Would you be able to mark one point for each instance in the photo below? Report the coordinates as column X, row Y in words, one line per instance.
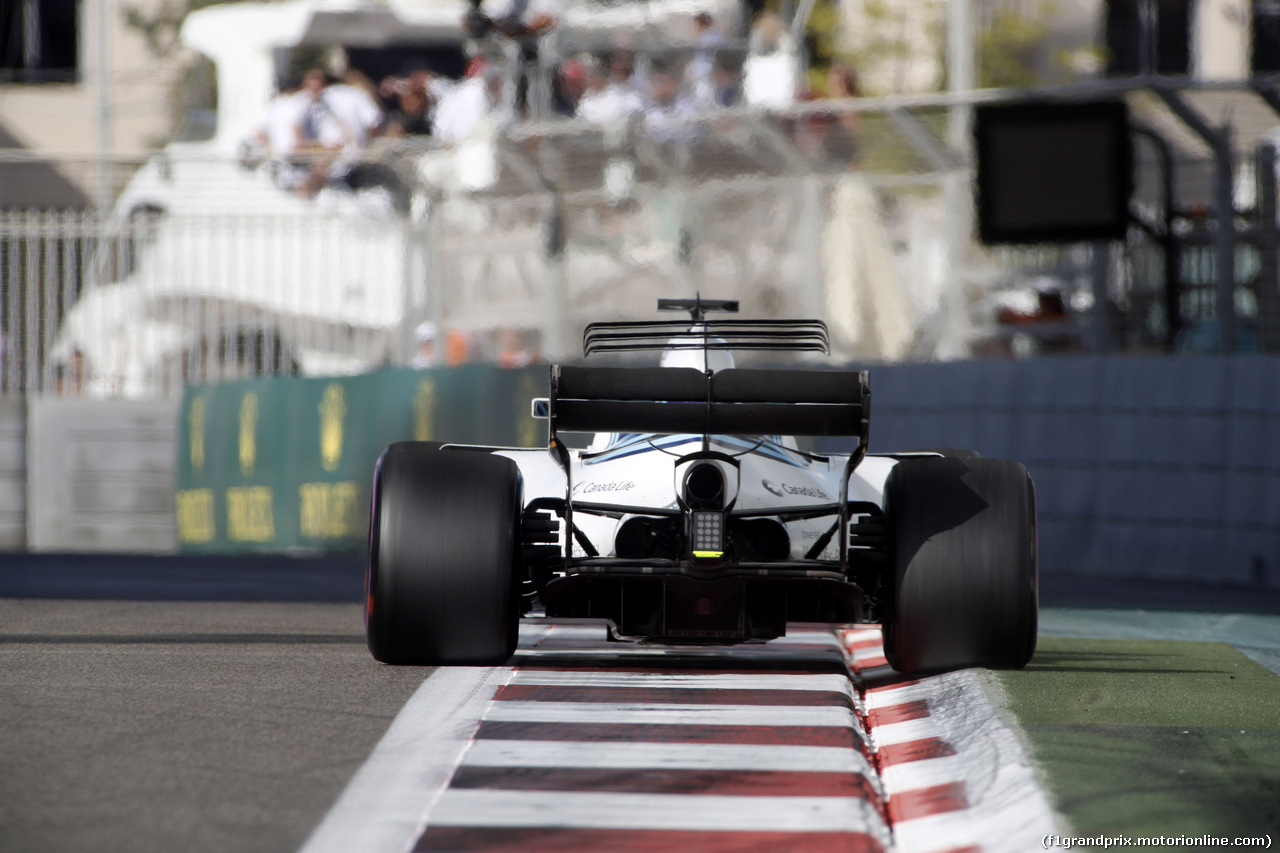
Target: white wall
column 13, row 474
column 102, row 475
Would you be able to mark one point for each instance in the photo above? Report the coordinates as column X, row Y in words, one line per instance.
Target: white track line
column 638, row 713
column 711, row 681
column 384, row 807
column 904, row 732
column 664, row 756
column 654, row 811
column 922, row 774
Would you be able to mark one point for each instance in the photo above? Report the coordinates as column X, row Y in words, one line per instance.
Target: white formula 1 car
column 695, row 517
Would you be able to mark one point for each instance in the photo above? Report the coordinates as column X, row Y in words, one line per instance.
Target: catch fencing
column 503, row 247
column 207, row 270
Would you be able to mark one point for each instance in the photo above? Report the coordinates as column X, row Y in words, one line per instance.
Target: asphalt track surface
column 193, row 726
column 150, row 704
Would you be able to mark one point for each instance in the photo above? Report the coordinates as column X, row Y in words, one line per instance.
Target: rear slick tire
column 441, row 587
column 962, row 551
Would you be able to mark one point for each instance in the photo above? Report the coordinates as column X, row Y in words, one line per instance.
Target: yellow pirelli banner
column 287, row 463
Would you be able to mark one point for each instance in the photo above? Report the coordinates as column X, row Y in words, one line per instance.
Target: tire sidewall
column 962, row 582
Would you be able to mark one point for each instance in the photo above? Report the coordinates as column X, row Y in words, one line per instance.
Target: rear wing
column 729, row 402
column 663, row 335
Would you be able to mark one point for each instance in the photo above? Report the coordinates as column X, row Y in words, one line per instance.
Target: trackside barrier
column 1159, row 468
column 280, row 464
column 1145, row 467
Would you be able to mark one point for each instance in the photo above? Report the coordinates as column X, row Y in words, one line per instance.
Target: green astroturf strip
column 1145, row 738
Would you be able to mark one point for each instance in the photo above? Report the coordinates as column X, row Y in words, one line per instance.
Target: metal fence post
column 1219, row 140
column 554, row 344
column 1268, row 242
column 1100, row 315
column 1225, row 243
column 811, row 222
column 403, row 353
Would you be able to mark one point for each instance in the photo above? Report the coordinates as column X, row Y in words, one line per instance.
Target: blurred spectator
column 514, row 348
column 707, row 40
column 570, row 84
column 334, row 119
column 768, row 34
column 833, row 136
column 357, row 79
column 312, row 110
column 750, row 10
column 274, row 132
column 311, row 120
column 334, row 116
column 525, row 22
column 68, row 378
column 522, row 20
column 476, row 99
column 425, row 354
column 670, row 115
column 458, row 347
column 622, row 68
column 723, row 87
column 353, row 117
column 770, row 75
column 595, row 82
column 842, row 81
column 411, row 100
column 411, row 117
column 276, row 138
column 610, row 96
